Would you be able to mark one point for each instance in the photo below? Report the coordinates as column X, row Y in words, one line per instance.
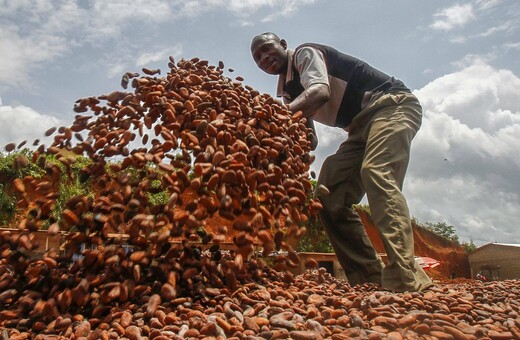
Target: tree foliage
column 18, row 165
column 469, row 246
column 443, row 229
column 316, row 238
column 7, row 206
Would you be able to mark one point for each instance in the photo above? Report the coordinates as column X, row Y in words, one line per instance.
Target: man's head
column 270, row 53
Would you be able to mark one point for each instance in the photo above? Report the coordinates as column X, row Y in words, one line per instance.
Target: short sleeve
column 311, row 65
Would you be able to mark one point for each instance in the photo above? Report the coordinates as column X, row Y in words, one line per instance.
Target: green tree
column 18, row 164
column 316, row 239
column 443, row 229
column 7, row 206
column 469, row 246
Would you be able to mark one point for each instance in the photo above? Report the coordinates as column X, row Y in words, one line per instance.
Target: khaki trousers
column 373, row 160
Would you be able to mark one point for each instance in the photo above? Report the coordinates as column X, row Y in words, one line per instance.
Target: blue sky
column 462, row 59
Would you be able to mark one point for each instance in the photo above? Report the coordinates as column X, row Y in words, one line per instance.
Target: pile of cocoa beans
column 233, row 164
column 212, row 260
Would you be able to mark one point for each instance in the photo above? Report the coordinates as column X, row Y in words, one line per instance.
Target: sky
column 461, row 59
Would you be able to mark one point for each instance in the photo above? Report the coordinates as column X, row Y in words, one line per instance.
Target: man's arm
column 314, row 78
column 310, row 99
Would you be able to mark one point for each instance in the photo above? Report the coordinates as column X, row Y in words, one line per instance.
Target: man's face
column 270, row 55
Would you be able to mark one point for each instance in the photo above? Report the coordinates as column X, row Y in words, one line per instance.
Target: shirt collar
column 287, row 77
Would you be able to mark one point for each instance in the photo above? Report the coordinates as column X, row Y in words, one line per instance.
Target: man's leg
column 340, row 173
column 384, row 166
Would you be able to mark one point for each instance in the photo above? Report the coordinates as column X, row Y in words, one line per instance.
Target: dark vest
column 359, row 76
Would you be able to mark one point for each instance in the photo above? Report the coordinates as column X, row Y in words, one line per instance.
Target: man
column 381, row 117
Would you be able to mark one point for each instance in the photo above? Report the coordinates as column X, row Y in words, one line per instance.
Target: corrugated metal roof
column 494, row 244
column 508, row 244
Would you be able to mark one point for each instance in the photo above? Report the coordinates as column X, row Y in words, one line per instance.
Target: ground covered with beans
column 313, row 305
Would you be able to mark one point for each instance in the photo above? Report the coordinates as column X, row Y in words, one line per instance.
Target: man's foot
column 421, row 288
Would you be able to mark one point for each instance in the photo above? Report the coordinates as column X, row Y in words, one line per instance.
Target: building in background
column 495, row 261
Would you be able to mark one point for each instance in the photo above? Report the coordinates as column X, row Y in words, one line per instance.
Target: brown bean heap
column 233, row 162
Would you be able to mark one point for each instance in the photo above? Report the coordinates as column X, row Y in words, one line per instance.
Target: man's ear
column 283, row 43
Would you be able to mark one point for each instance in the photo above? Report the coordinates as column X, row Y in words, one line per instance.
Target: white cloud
column 249, row 7
column 453, row 17
column 477, row 96
column 108, row 19
column 19, row 123
column 127, row 61
column 37, row 7
column 116, row 68
column 35, row 33
column 507, row 26
column 286, row 8
column 464, row 161
column 512, row 46
column 329, row 138
column 243, row 9
column 161, row 55
column 483, row 5
column 476, row 212
column 459, row 39
column 19, row 54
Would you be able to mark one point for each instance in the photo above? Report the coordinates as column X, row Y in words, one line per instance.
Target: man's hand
column 311, row 137
column 311, row 132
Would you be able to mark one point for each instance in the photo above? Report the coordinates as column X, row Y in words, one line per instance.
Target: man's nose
column 264, row 57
